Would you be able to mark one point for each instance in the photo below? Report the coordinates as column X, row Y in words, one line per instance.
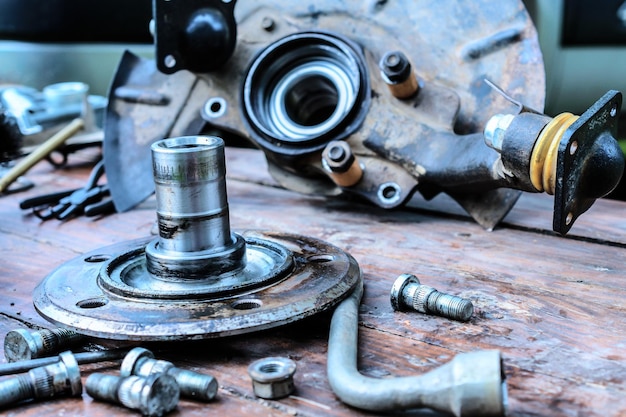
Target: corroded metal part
column 61, row 378
column 575, row 158
column 127, row 274
column 272, row 377
column 73, row 296
column 454, row 47
column 590, row 162
column 197, row 279
column 193, row 385
column 154, row 396
column 430, row 143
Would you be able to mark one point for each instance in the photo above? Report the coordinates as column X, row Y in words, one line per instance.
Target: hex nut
column 495, row 129
column 272, row 377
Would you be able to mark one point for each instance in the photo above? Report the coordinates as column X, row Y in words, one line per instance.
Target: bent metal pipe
column 451, row 388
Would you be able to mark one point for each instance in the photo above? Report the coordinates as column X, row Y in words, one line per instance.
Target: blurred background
column 44, row 42
column 48, row 41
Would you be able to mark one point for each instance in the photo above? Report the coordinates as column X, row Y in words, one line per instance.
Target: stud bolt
column 56, row 380
column 408, row 293
column 21, row 344
column 153, row 396
column 193, row 385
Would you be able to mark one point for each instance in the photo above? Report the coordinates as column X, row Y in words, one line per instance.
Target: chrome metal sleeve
column 192, row 210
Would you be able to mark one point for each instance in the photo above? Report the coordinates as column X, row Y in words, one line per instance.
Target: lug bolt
column 272, row 377
column 59, row 379
column 154, row 395
column 408, row 293
column 341, row 164
column 81, row 358
column 396, row 71
column 22, row 345
column 141, row 362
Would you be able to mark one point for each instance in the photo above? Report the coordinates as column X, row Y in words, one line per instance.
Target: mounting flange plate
column 73, row 296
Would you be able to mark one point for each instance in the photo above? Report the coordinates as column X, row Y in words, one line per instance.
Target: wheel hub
column 197, row 279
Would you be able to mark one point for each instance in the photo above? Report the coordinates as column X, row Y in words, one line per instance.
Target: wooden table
column 554, row 306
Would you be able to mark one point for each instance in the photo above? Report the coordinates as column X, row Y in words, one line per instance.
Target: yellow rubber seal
column 545, row 153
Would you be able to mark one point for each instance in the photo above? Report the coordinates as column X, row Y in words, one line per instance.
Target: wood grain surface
column 554, row 306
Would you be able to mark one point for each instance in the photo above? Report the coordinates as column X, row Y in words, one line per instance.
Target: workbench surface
column 554, row 306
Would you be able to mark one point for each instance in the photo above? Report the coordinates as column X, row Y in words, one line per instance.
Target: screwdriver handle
column 41, row 152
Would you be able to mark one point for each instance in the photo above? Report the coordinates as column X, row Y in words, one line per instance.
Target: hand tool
column 41, row 152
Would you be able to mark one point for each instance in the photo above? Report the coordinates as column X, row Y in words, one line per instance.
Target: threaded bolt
column 341, row 163
column 21, row 344
column 154, row 395
column 408, row 293
column 395, row 66
column 194, row 385
column 495, row 129
column 338, row 156
column 45, row 382
column 397, row 73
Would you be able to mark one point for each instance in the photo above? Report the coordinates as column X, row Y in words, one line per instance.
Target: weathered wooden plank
column 554, row 306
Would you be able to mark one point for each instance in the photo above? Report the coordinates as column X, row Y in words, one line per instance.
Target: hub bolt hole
column 321, row 258
column 97, row 258
column 95, row 302
column 247, row 304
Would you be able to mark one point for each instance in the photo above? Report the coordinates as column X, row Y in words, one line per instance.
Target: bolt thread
column 194, row 384
column 16, row 389
column 50, row 341
column 419, row 299
column 449, row 306
column 42, row 380
column 55, row 339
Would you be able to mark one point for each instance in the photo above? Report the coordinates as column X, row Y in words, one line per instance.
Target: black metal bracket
column 197, row 35
column 589, row 162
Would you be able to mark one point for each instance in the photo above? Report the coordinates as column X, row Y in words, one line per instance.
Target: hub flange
column 196, row 280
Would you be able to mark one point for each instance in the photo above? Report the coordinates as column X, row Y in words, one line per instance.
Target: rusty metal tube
column 472, row 384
